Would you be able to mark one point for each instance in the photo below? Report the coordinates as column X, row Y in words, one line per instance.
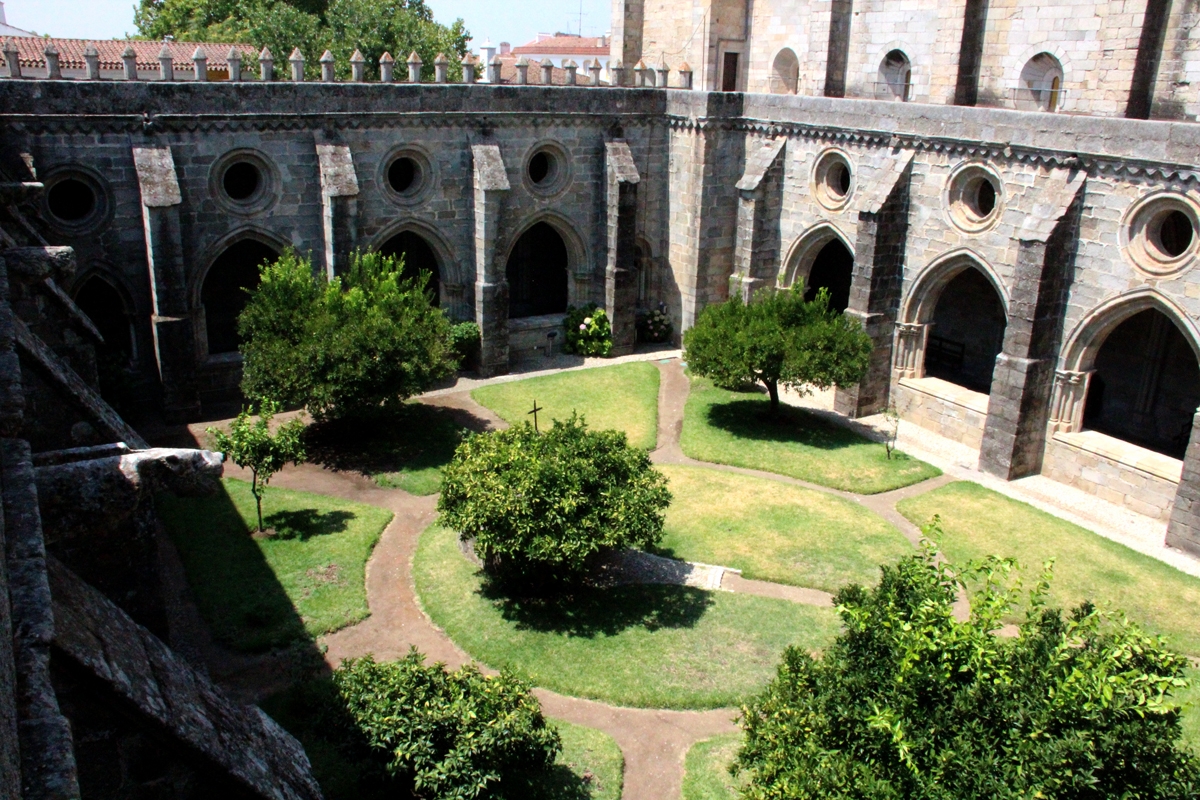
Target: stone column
column 1014, row 436
column 875, row 284
column 1183, row 529
column 1066, row 404
column 620, row 273
column 910, row 349
column 625, row 46
column 760, row 198
column 491, row 286
column 172, row 324
column 339, row 203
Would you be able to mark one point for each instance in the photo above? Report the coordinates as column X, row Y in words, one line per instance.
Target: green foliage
column 465, row 341
column 779, row 338
column 452, row 735
column 655, row 326
column 546, row 504
column 352, row 346
column 912, row 703
column 588, row 332
column 251, row 445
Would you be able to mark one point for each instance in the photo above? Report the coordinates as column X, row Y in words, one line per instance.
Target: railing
column 1027, row 98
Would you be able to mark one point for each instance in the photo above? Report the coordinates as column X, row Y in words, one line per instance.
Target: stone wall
column 1116, row 471
column 949, row 411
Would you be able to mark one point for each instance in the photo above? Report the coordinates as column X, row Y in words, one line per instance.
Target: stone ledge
column 949, row 392
column 1128, row 455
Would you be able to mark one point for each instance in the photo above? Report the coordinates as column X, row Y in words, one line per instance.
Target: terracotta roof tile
column 70, row 52
column 565, row 46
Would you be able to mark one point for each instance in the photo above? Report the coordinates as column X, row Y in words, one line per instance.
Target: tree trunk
column 255, row 490
column 773, row 390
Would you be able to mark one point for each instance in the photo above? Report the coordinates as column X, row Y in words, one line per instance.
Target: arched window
column 418, row 257
column 102, row 303
column 832, row 269
column 785, row 73
column 895, row 77
column 1040, row 85
column 967, row 332
column 537, row 273
column 226, row 289
column 1145, row 387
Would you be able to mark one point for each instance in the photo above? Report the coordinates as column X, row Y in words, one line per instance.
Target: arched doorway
column 1040, row 84
column 967, row 332
column 418, row 257
column 1145, row 387
column 227, row 288
column 103, row 304
column 895, row 77
column 785, row 72
column 537, row 273
column 832, row 269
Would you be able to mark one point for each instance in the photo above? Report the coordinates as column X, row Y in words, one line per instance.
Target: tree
column 356, row 345
column 545, row 505
column 251, row 445
column 911, row 703
column 778, row 338
column 340, row 26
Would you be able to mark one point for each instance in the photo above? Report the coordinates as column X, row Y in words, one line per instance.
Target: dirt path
column 653, row 742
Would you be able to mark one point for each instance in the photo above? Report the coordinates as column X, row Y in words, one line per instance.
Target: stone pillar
column 620, row 273
column 358, row 67
column 760, row 198
column 172, row 324
column 491, row 286
column 328, row 68
column 625, row 46
column 339, row 203
column 875, row 284
column 1183, row 529
column 387, row 66
column 53, row 70
column 234, row 60
column 910, row 349
column 1066, row 404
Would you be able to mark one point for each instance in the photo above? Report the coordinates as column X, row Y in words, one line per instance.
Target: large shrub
column 587, row 331
column 546, row 504
column 359, row 343
column 778, row 338
column 912, row 703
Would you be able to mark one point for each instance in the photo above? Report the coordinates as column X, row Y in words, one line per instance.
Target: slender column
column 1183, row 529
column 760, row 199
column 620, row 276
column 339, row 202
column 491, row 286
column 173, row 327
column 1066, row 404
column 910, row 349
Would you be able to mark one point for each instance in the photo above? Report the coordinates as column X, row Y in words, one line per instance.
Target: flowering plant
column 655, row 326
column 588, row 332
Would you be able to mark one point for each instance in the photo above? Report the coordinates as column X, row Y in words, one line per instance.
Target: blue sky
column 515, row 21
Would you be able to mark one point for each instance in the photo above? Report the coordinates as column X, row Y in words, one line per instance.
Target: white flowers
column 587, row 320
column 583, row 327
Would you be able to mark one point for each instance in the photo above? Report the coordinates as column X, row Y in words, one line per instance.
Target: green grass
column 647, row 646
column 726, row 427
column 776, row 532
column 255, row 594
column 593, row 766
column 404, row 450
column 706, row 769
column 979, row 522
column 622, row 397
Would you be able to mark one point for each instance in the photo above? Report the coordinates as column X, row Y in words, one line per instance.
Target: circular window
column 405, row 175
column 1160, row 234
column 833, row 180
column 74, row 200
column 547, row 169
column 244, row 182
column 973, row 198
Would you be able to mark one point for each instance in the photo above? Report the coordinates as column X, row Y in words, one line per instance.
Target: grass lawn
column 622, row 397
column 775, row 532
column 647, row 646
column 979, row 522
column 706, row 769
column 406, row 450
column 726, row 427
column 591, row 765
column 256, row 594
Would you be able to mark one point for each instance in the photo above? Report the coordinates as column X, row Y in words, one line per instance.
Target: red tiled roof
column 31, row 51
column 558, row 77
column 564, row 46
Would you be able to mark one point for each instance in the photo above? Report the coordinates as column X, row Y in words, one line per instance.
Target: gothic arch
column 216, row 317
column 449, row 267
column 216, row 250
column 536, row 287
column 804, row 251
column 1086, row 339
column 126, row 309
column 577, row 252
column 921, row 300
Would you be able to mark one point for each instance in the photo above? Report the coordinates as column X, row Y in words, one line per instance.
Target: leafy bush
column 588, row 332
column 655, row 326
column 465, row 341
column 545, row 505
column 911, row 703
column 779, row 338
column 347, row 347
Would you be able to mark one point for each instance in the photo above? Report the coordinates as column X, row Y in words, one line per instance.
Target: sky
column 515, row 21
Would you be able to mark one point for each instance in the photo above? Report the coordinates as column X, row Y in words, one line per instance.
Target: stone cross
column 535, row 411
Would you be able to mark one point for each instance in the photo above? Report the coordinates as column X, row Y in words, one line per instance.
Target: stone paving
column 653, row 742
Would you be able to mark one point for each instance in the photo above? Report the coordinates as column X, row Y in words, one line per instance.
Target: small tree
column 779, row 338
column 891, row 418
column 911, row 704
column 546, row 504
column 251, row 445
column 358, row 344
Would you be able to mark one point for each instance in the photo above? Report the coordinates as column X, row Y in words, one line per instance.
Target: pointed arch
column 541, row 262
column 218, row 291
column 921, row 299
column 804, row 250
column 1088, row 336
